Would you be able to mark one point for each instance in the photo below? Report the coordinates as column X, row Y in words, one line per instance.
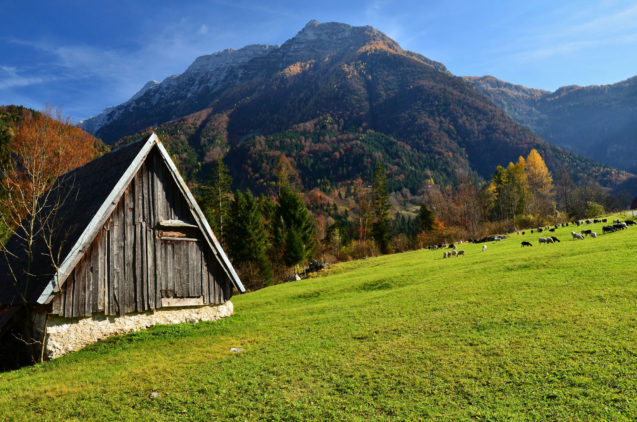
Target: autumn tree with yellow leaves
column 523, row 188
column 540, row 182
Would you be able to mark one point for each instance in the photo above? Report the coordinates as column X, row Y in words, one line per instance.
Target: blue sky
column 83, row 56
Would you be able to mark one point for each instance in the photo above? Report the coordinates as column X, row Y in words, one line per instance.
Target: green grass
column 541, row 333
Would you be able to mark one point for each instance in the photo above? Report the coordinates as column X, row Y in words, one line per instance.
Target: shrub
column 359, row 249
column 401, row 243
column 593, row 209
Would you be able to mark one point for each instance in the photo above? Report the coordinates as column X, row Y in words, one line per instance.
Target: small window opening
column 178, row 230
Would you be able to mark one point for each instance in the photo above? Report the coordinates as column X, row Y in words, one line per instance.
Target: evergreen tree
column 246, row 234
column 268, row 209
column 502, row 195
column 424, row 220
column 216, row 197
column 294, row 228
column 380, row 206
column 519, row 178
column 295, row 252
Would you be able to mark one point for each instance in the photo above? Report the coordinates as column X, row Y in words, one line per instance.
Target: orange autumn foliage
column 44, row 146
column 52, row 145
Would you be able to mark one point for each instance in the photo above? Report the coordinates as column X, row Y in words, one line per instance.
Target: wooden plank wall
column 128, row 268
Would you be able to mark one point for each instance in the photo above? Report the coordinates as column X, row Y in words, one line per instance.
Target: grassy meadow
column 541, row 333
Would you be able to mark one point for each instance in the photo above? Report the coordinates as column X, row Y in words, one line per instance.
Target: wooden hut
column 134, row 249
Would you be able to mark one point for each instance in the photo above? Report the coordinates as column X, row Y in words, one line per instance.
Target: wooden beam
column 179, row 239
column 171, row 224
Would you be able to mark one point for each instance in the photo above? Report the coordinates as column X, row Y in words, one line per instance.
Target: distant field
column 541, row 333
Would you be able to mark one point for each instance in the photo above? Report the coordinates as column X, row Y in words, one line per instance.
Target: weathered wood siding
column 129, row 268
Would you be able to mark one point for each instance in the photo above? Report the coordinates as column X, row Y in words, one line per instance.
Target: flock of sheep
column 617, row 225
column 455, row 252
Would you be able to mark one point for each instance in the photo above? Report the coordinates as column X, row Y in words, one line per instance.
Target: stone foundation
column 64, row 335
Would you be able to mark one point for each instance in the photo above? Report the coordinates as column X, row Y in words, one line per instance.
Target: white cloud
column 203, row 30
column 567, row 35
column 622, row 20
column 9, row 78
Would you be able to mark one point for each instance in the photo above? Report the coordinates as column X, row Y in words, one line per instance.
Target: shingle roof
column 83, row 192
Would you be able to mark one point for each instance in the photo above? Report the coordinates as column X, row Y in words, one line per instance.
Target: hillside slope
column 512, row 333
column 335, row 99
column 599, row 122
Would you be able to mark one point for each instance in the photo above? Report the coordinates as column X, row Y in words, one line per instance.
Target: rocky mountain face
column 211, row 76
column 175, row 96
column 599, row 122
column 334, row 100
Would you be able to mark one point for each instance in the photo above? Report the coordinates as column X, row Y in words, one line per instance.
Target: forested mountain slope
column 334, row 99
column 599, row 122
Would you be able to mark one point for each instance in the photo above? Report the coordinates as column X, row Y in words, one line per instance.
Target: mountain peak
column 311, row 24
column 336, row 31
column 317, row 40
column 315, row 31
column 210, row 75
column 228, row 57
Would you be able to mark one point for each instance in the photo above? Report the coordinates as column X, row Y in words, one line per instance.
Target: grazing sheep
column 620, row 226
column 454, row 252
column 484, row 248
column 452, row 246
column 604, row 220
column 542, row 240
column 577, row 236
column 546, row 240
column 555, row 239
column 585, row 232
column 608, row 229
column 531, row 231
column 551, row 230
column 445, row 254
column 525, row 243
column 523, row 233
column 616, row 221
column 593, row 235
column 460, row 252
column 629, row 222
